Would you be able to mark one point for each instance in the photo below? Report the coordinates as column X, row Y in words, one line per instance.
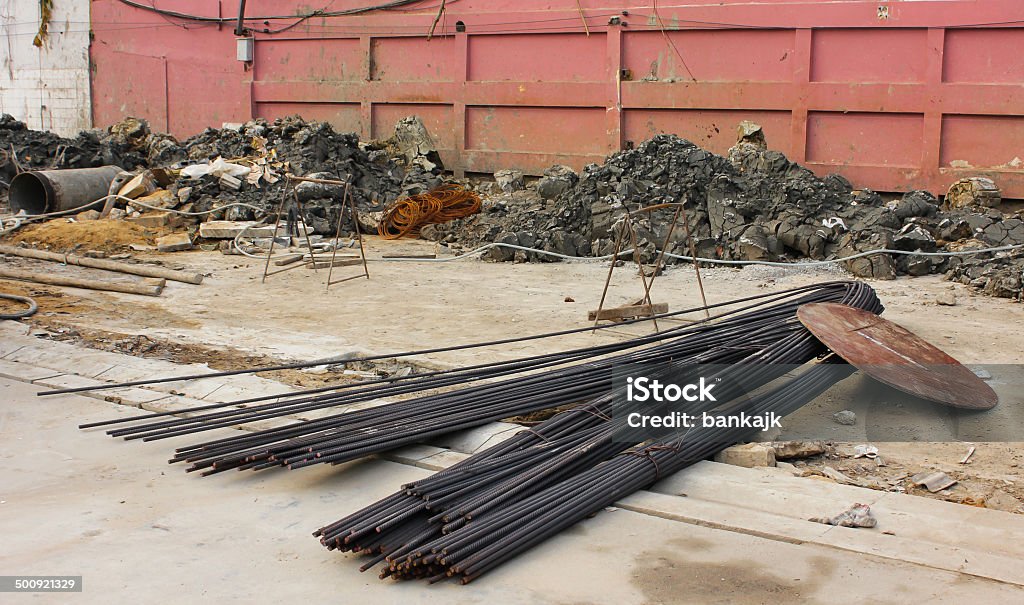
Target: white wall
column 48, row 87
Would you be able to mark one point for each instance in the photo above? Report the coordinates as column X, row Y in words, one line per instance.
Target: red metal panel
column 287, row 60
column 535, row 129
column 528, row 58
column 712, row 129
column 711, row 56
column 866, row 55
column 413, row 59
column 887, row 99
column 200, row 98
column 867, row 139
column 344, row 117
column 117, row 93
column 984, row 56
column 984, row 141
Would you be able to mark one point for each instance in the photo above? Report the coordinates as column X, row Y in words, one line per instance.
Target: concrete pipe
column 45, row 191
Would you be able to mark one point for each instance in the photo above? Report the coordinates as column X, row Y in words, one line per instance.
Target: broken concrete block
column 279, row 242
column 790, row 450
column 160, row 198
column 751, row 133
column 224, row 229
column 846, row 417
column 268, row 231
column 153, row 220
column 916, row 203
column 753, row 244
column 141, row 184
column 230, row 183
column 88, row 215
column 913, row 238
column 946, row 299
column 557, row 180
column 747, row 455
column 510, row 180
column 973, row 191
column 173, row 242
column 500, row 253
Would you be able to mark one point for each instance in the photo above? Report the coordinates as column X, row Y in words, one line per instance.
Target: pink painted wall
column 894, row 95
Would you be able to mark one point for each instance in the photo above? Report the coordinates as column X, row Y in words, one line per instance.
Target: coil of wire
column 405, row 217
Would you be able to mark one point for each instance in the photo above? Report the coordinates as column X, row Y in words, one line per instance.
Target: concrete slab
column 137, row 529
column 476, row 439
column 66, row 381
column 412, row 454
column 764, row 503
column 24, row 372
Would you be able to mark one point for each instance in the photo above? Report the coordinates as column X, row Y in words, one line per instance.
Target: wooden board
column 628, row 312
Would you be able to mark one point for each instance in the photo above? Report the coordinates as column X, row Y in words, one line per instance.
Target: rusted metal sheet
column 894, row 355
column 893, row 95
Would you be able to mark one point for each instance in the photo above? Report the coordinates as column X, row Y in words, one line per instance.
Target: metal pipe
column 240, row 27
column 44, row 191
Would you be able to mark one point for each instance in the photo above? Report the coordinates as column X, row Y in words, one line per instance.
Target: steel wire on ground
column 419, row 352
column 499, row 502
column 550, row 381
column 405, row 217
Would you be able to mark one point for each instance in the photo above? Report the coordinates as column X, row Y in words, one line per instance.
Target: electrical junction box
column 244, row 49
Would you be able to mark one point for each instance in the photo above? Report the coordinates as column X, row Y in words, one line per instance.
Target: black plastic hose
column 30, row 311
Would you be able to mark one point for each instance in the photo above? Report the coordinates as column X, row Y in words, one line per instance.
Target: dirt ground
column 235, row 320
column 68, row 235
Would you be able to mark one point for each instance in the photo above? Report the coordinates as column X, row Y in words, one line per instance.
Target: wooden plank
column 339, row 262
column 145, row 289
column 288, row 259
column 628, row 312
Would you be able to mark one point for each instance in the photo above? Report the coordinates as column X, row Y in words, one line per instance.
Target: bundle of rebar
column 495, row 504
column 502, row 390
column 406, row 216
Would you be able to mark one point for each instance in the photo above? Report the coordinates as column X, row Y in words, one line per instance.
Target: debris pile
column 24, row 149
column 237, row 164
column 754, row 205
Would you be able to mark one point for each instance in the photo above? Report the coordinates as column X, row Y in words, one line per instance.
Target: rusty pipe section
column 44, row 191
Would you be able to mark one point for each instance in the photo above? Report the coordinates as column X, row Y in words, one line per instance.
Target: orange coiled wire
column 408, row 215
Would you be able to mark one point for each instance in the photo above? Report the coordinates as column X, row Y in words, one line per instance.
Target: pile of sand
column 63, row 235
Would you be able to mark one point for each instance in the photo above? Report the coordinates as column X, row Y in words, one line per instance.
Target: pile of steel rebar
column 505, row 389
column 483, row 511
column 495, row 504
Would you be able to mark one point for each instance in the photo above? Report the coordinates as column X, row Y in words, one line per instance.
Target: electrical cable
column 316, row 13
column 700, row 259
column 408, row 215
column 28, row 218
column 32, row 306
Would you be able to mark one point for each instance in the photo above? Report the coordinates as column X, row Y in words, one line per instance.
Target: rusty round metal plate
column 896, row 356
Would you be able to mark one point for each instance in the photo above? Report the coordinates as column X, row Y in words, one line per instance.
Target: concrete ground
column 412, row 305
column 80, row 503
